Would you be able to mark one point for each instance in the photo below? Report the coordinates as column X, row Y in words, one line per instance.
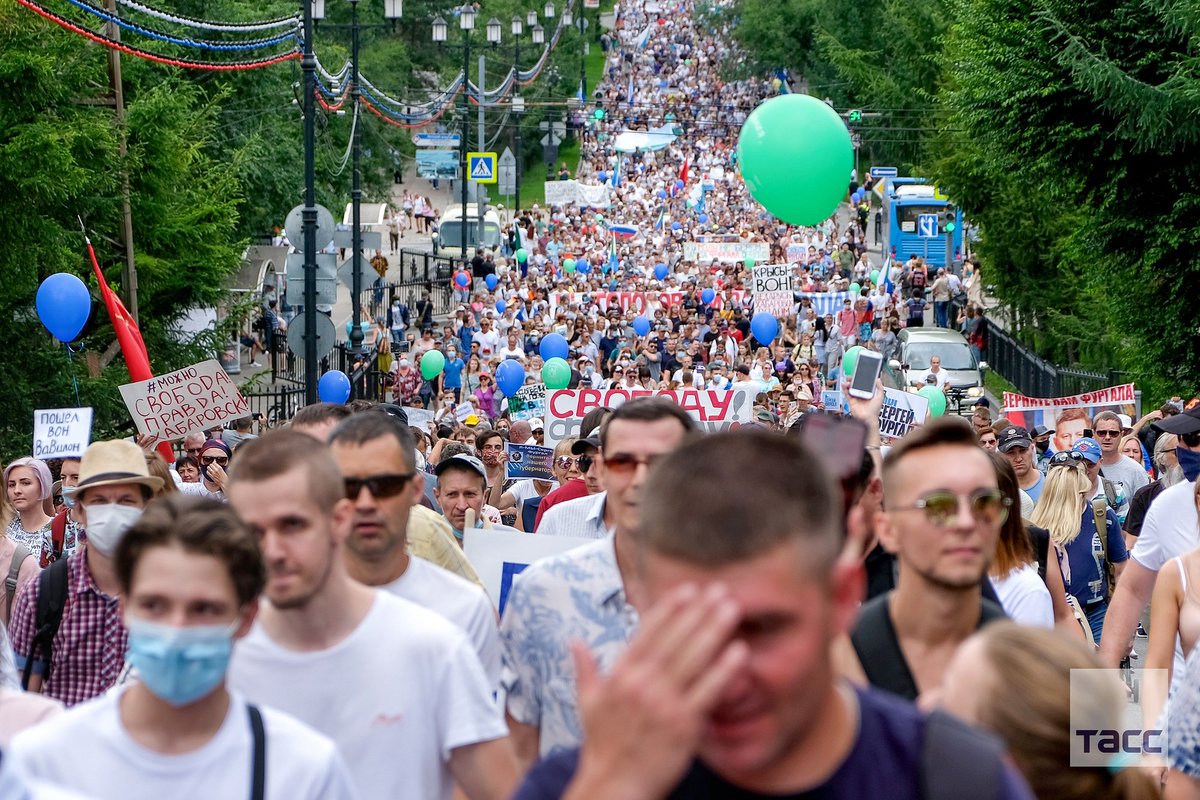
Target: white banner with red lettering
column 725, row 252
column 637, row 302
column 1112, row 396
column 1070, row 417
column 712, row 409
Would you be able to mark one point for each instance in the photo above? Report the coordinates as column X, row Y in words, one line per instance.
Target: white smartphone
column 866, row 374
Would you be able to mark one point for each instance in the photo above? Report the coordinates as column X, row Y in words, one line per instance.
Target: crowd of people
column 755, row 612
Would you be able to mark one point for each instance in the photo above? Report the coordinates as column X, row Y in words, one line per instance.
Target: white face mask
column 107, row 524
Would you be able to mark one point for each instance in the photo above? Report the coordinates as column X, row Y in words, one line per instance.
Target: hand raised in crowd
column 146, row 441
column 643, row 724
column 217, row 475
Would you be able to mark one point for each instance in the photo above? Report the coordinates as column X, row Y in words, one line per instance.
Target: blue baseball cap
column 1089, row 449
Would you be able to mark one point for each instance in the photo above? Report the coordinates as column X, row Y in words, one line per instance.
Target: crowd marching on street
column 744, row 589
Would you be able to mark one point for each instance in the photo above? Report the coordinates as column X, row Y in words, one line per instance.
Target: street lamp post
column 356, row 334
column 308, row 217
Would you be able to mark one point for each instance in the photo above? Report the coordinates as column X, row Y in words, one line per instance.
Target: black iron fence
column 1034, row 376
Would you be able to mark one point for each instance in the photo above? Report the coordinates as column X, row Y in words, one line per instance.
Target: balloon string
column 74, row 382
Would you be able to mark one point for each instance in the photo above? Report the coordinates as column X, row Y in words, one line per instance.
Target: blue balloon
column 764, row 327
column 703, row 219
column 661, row 271
column 553, row 345
column 63, row 305
column 675, row 226
column 462, row 280
column 334, row 387
column 662, row 194
column 707, row 296
column 500, row 306
column 583, row 265
column 510, row 376
column 491, row 281
column 641, row 325
column 602, row 176
column 679, row 184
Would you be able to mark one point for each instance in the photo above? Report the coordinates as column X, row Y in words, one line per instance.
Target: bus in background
column 904, row 201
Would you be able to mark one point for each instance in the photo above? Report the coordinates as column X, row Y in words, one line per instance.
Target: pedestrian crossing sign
column 481, row 167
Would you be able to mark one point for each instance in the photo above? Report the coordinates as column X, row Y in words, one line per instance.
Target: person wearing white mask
column 82, row 655
column 190, row 573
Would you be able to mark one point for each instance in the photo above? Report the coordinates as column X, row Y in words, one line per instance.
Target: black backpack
column 51, row 603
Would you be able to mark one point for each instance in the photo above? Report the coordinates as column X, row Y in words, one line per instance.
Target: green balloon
column 432, row 364
column 875, row 277
column 522, row 256
column 850, row 360
column 749, row 262
column 556, row 374
column 795, row 157
column 569, row 266
column 936, row 398
column 855, row 289
column 599, row 218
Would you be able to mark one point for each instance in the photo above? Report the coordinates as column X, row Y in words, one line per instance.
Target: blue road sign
column 927, row 227
column 884, row 172
column 481, row 167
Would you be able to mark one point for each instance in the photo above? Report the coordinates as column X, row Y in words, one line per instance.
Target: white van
column 448, row 238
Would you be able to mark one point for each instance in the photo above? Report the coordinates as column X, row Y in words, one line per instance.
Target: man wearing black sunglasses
column 376, row 455
column 941, row 517
column 1125, row 474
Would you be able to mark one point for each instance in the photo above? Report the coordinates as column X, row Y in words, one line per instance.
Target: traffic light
column 946, row 218
column 855, row 116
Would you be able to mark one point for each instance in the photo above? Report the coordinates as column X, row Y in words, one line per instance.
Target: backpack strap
column 1100, row 512
column 959, row 761
column 878, row 650
column 51, row 603
column 58, row 534
column 258, row 776
column 10, row 583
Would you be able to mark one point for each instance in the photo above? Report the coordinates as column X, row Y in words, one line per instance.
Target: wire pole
column 308, row 63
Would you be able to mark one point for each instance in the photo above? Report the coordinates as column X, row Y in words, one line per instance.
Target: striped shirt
column 89, row 648
column 583, row 517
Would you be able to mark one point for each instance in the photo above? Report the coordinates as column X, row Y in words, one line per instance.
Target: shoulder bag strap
column 1100, row 512
column 258, row 777
column 10, row 583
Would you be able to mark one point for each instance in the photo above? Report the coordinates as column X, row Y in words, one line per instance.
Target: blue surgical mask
column 1189, row 462
column 180, row 665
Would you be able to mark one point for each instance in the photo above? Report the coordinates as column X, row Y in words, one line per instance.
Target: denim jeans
column 941, row 313
column 1096, row 620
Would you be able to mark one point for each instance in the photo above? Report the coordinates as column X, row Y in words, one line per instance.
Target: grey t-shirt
column 1127, row 476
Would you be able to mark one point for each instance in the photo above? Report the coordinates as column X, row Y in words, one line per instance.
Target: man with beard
column 941, row 517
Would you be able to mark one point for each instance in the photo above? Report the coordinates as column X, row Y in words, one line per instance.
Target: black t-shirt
column 884, row 763
column 1140, row 504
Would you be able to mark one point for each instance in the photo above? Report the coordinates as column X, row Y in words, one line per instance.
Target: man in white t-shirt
column 935, row 371
column 375, row 453
column 512, row 347
column 488, row 338
column 1170, row 530
column 398, row 687
column 190, row 572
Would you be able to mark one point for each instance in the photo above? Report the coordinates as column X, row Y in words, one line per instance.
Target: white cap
column 1126, row 421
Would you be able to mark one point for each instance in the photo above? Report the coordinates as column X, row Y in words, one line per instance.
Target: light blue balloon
column 764, row 327
column 641, row 325
column 553, row 345
column 510, row 376
column 333, row 387
column 63, row 305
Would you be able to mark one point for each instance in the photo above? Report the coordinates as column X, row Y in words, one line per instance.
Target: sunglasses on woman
column 1066, row 458
column 210, row 460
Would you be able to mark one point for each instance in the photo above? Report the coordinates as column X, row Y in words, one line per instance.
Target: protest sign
column 712, row 409
column 195, row 398
column 61, row 432
column 725, row 252
column 797, row 254
column 528, row 403
column 419, row 417
column 529, row 461
column 562, row 193
column 834, row 402
column 636, row 302
column 500, row 556
column 771, row 285
column 901, row 411
column 1069, row 416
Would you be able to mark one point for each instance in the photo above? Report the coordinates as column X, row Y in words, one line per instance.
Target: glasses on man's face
column 1108, row 434
column 988, row 507
column 1066, row 458
column 193, row 451
column 210, row 460
column 380, row 486
column 626, row 463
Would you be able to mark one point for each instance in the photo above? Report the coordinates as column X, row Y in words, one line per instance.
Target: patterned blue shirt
column 576, row 595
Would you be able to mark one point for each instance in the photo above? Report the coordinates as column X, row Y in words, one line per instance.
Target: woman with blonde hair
column 1019, row 683
column 1064, row 509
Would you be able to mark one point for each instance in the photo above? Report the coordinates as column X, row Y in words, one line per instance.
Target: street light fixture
column 393, row 9
column 466, row 22
column 466, row 18
column 518, row 27
column 567, row 19
column 493, row 31
column 531, row 18
column 539, row 34
column 439, row 30
column 318, row 10
column 548, row 11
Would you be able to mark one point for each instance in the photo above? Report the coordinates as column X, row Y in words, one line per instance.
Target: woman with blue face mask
column 190, row 572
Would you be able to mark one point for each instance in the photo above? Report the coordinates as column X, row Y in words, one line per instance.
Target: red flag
column 133, row 348
column 683, row 172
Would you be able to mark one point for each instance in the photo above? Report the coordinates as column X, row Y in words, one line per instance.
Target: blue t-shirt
column 1035, row 491
column 452, row 374
column 1083, row 572
column 884, row 763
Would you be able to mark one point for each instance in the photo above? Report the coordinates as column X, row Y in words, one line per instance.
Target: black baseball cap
column 1183, row 423
column 1015, row 436
column 580, row 447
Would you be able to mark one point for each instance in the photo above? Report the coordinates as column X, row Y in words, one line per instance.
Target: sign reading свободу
column 195, row 398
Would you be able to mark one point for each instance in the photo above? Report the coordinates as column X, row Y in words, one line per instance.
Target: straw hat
column 113, row 462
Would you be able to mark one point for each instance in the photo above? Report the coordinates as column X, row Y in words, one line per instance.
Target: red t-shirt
column 571, row 490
